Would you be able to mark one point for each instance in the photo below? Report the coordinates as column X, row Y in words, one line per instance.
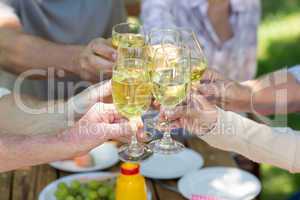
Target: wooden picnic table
column 26, row 184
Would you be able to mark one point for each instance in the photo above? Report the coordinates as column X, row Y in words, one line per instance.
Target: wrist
column 245, row 99
column 211, row 121
column 74, row 52
column 56, row 117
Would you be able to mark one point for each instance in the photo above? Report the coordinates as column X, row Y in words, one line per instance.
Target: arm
column 97, row 126
column 15, row 118
column 273, row 93
column 232, row 132
column 20, row 51
column 32, row 116
column 261, row 143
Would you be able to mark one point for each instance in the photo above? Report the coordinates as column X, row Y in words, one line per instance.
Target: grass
column 279, row 46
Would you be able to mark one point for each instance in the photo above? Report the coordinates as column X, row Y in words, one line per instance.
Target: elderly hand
column 98, row 125
column 227, row 94
column 197, row 115
column 79, row 104
column 98, row 56
column 101, row 94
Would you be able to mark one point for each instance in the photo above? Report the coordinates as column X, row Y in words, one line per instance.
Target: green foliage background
column 279, row 46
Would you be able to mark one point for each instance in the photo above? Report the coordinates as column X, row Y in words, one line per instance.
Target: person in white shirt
column 230, row 131
column 28, row 139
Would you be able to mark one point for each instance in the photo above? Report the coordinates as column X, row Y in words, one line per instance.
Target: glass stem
column 133, row 124
column 167, row 138
column 135, row 149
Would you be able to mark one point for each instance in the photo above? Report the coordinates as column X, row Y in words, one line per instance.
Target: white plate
column 221, row 182
column 104, row 156
column 48, row 191
column 172, row 166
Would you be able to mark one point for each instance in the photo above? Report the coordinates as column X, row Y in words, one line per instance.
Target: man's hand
column 98, row 125
column 98, row 57
column 79, row 104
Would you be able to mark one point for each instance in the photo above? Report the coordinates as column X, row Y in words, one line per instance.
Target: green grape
column 62, row 186
column 94, row 185
column 84, row 191
column 61, row 193
column 75, row 185
column 93, row 195
column 103, row 191
column 70, row 198
column 111, row 196
column 78, row 197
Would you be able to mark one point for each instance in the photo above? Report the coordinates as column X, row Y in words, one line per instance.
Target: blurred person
column 63, row 35
column 227, row 30
column 28, row 139
column 232, row 132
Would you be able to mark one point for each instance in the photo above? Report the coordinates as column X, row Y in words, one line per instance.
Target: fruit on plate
column 86, row 190
column 84, row 160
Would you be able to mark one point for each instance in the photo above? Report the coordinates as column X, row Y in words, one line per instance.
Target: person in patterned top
column 227, row 30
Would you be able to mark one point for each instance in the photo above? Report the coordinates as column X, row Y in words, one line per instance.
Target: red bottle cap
column 129, row 169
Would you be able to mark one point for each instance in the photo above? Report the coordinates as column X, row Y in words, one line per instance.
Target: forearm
column 20, row 52
column 24, row 115
column 258, row 142
column 273, row 94
column 17, row 151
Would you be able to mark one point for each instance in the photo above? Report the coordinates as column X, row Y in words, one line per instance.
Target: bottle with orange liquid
column 130, row 183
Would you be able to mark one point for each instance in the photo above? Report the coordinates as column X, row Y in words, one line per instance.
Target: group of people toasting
column 174, row 57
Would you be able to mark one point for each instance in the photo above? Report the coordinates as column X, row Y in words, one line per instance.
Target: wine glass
column 198, row 59
column 158, row 37
column 170, row 79
column 131, row 91
column 128, row 35
column 133, row 52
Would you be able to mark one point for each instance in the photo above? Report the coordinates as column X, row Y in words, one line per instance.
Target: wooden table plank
column 212, row 157
column 29, row 182
column 5, row 185
column 45, row 175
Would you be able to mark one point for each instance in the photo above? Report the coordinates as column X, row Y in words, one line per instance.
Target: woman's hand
column 198, row 116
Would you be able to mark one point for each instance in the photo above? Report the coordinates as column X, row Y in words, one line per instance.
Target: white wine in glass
column 170, row 80
column 131, row 91
column 198, row 59
column 169, row 92
column 128, row 35
column 198, row 67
